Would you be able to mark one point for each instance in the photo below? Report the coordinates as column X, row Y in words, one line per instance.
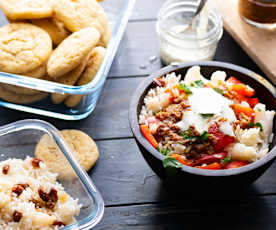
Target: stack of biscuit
column 56, row 40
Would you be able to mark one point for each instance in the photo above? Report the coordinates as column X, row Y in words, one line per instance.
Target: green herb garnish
column 218, row 90
column 165, row 151
column 187, row 134
column 171, row 165
column 259, row 125
column 270, row 146
column 185, row 88
column 259, row 109
column 199, row 83
column 226, row 160
column 207, row 115
column 204, row 136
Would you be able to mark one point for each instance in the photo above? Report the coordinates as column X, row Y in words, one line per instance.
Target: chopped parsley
column 165, row 151
column 204, row 136
column 207, row 115
column 259, row 125
column 218, row 90
column 185, row 88
column 226, row 160
column 199, row 83
column 259, row 109
column 270, row 146
column 187, row 134
column 171, row 165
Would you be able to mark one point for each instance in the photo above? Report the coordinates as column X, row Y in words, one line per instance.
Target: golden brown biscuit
column 82, row 146
column 79, row 14
column 106, row 37
column 23, row 47
column 26, row 9
column 19, row 98
column 96, row 58
column 69, row 54
column 54, row 27
column 69, row 79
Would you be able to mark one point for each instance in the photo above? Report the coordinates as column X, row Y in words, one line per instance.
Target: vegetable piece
column 181, row 160
column 184, row 88
column 222, row 140
column 208, row 159
column 249, row 112
column 198, row 83
column 187, row 134
column 213, row 166
column 166, row 151
column 252, row 101
column 236, row 164
column 233, row 80
column 218, row 90
column 207, row 115
column 204, row 136
column 151, row 120
column 243, row 89
column 259, row 125
column 171, row 163
column 147, row 134
column 226, row 160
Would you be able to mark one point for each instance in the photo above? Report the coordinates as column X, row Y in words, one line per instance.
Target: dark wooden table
column 135, row 197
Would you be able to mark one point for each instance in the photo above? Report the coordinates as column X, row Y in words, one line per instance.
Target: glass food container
column 18, row 140
column 118, row 12
column 184, row 38
column 260, row 13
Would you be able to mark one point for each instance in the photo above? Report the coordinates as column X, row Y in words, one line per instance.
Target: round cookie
column 96, row 58
column 23, row 47
column 26, row 9
column 82, row 146
column 19, row 98
column 54, row 27
column 79, row 14
column 36, row 73
column 69, row 54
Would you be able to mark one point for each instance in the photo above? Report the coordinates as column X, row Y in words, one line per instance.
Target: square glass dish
column 118, row 12
column 19, row 139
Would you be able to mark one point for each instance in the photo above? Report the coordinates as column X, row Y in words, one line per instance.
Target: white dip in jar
column 181, row 41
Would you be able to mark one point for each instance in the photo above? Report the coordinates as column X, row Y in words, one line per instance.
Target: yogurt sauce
column 208, row 101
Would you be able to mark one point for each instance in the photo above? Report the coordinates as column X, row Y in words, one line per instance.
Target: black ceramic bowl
column 194, row 177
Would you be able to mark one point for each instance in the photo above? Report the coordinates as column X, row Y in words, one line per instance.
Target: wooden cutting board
column 259, row 44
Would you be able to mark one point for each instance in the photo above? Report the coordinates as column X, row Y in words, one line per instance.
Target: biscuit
column 69, row 54
column 26, row 9
column 105, row 36
column 82, row 146
column 54, row 27
column 96, row 58
column 23, row 47
column 69, row 78
column 79, row 14
column 36, row 73
column 19, row 98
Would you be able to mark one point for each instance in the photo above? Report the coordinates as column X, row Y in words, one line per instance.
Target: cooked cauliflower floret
column 218, row 77
column 193, row 74
column 241, row 152
column 249, row 137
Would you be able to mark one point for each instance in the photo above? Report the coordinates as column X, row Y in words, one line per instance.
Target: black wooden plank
column 140, row 42
column 109, row 120
column 253, row 213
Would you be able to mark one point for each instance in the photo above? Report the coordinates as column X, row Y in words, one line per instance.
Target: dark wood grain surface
column 135, row 197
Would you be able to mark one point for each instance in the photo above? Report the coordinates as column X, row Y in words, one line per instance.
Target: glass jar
column 260, row 13
column 184, row 38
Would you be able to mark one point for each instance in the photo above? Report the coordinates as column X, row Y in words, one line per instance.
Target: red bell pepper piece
column 172, row 97
column 252, row 101
column 243, row 89
column 213, row 166
column 208, row 159
column 147, row 134
column 222, row 140
column 181, row 160
column 236, row 164
column 233, row 80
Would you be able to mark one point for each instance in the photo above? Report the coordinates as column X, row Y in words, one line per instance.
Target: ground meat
column 50, row 198
column 17, row 216
column 5, row 169
column 18, row 189
column 36, row 203
column 35, row 162
column 172, row 113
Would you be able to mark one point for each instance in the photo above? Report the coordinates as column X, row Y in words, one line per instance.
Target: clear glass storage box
column 19, row 139
column 118, row 12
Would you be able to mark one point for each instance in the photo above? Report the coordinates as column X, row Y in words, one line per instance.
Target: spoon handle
column 200, row 6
